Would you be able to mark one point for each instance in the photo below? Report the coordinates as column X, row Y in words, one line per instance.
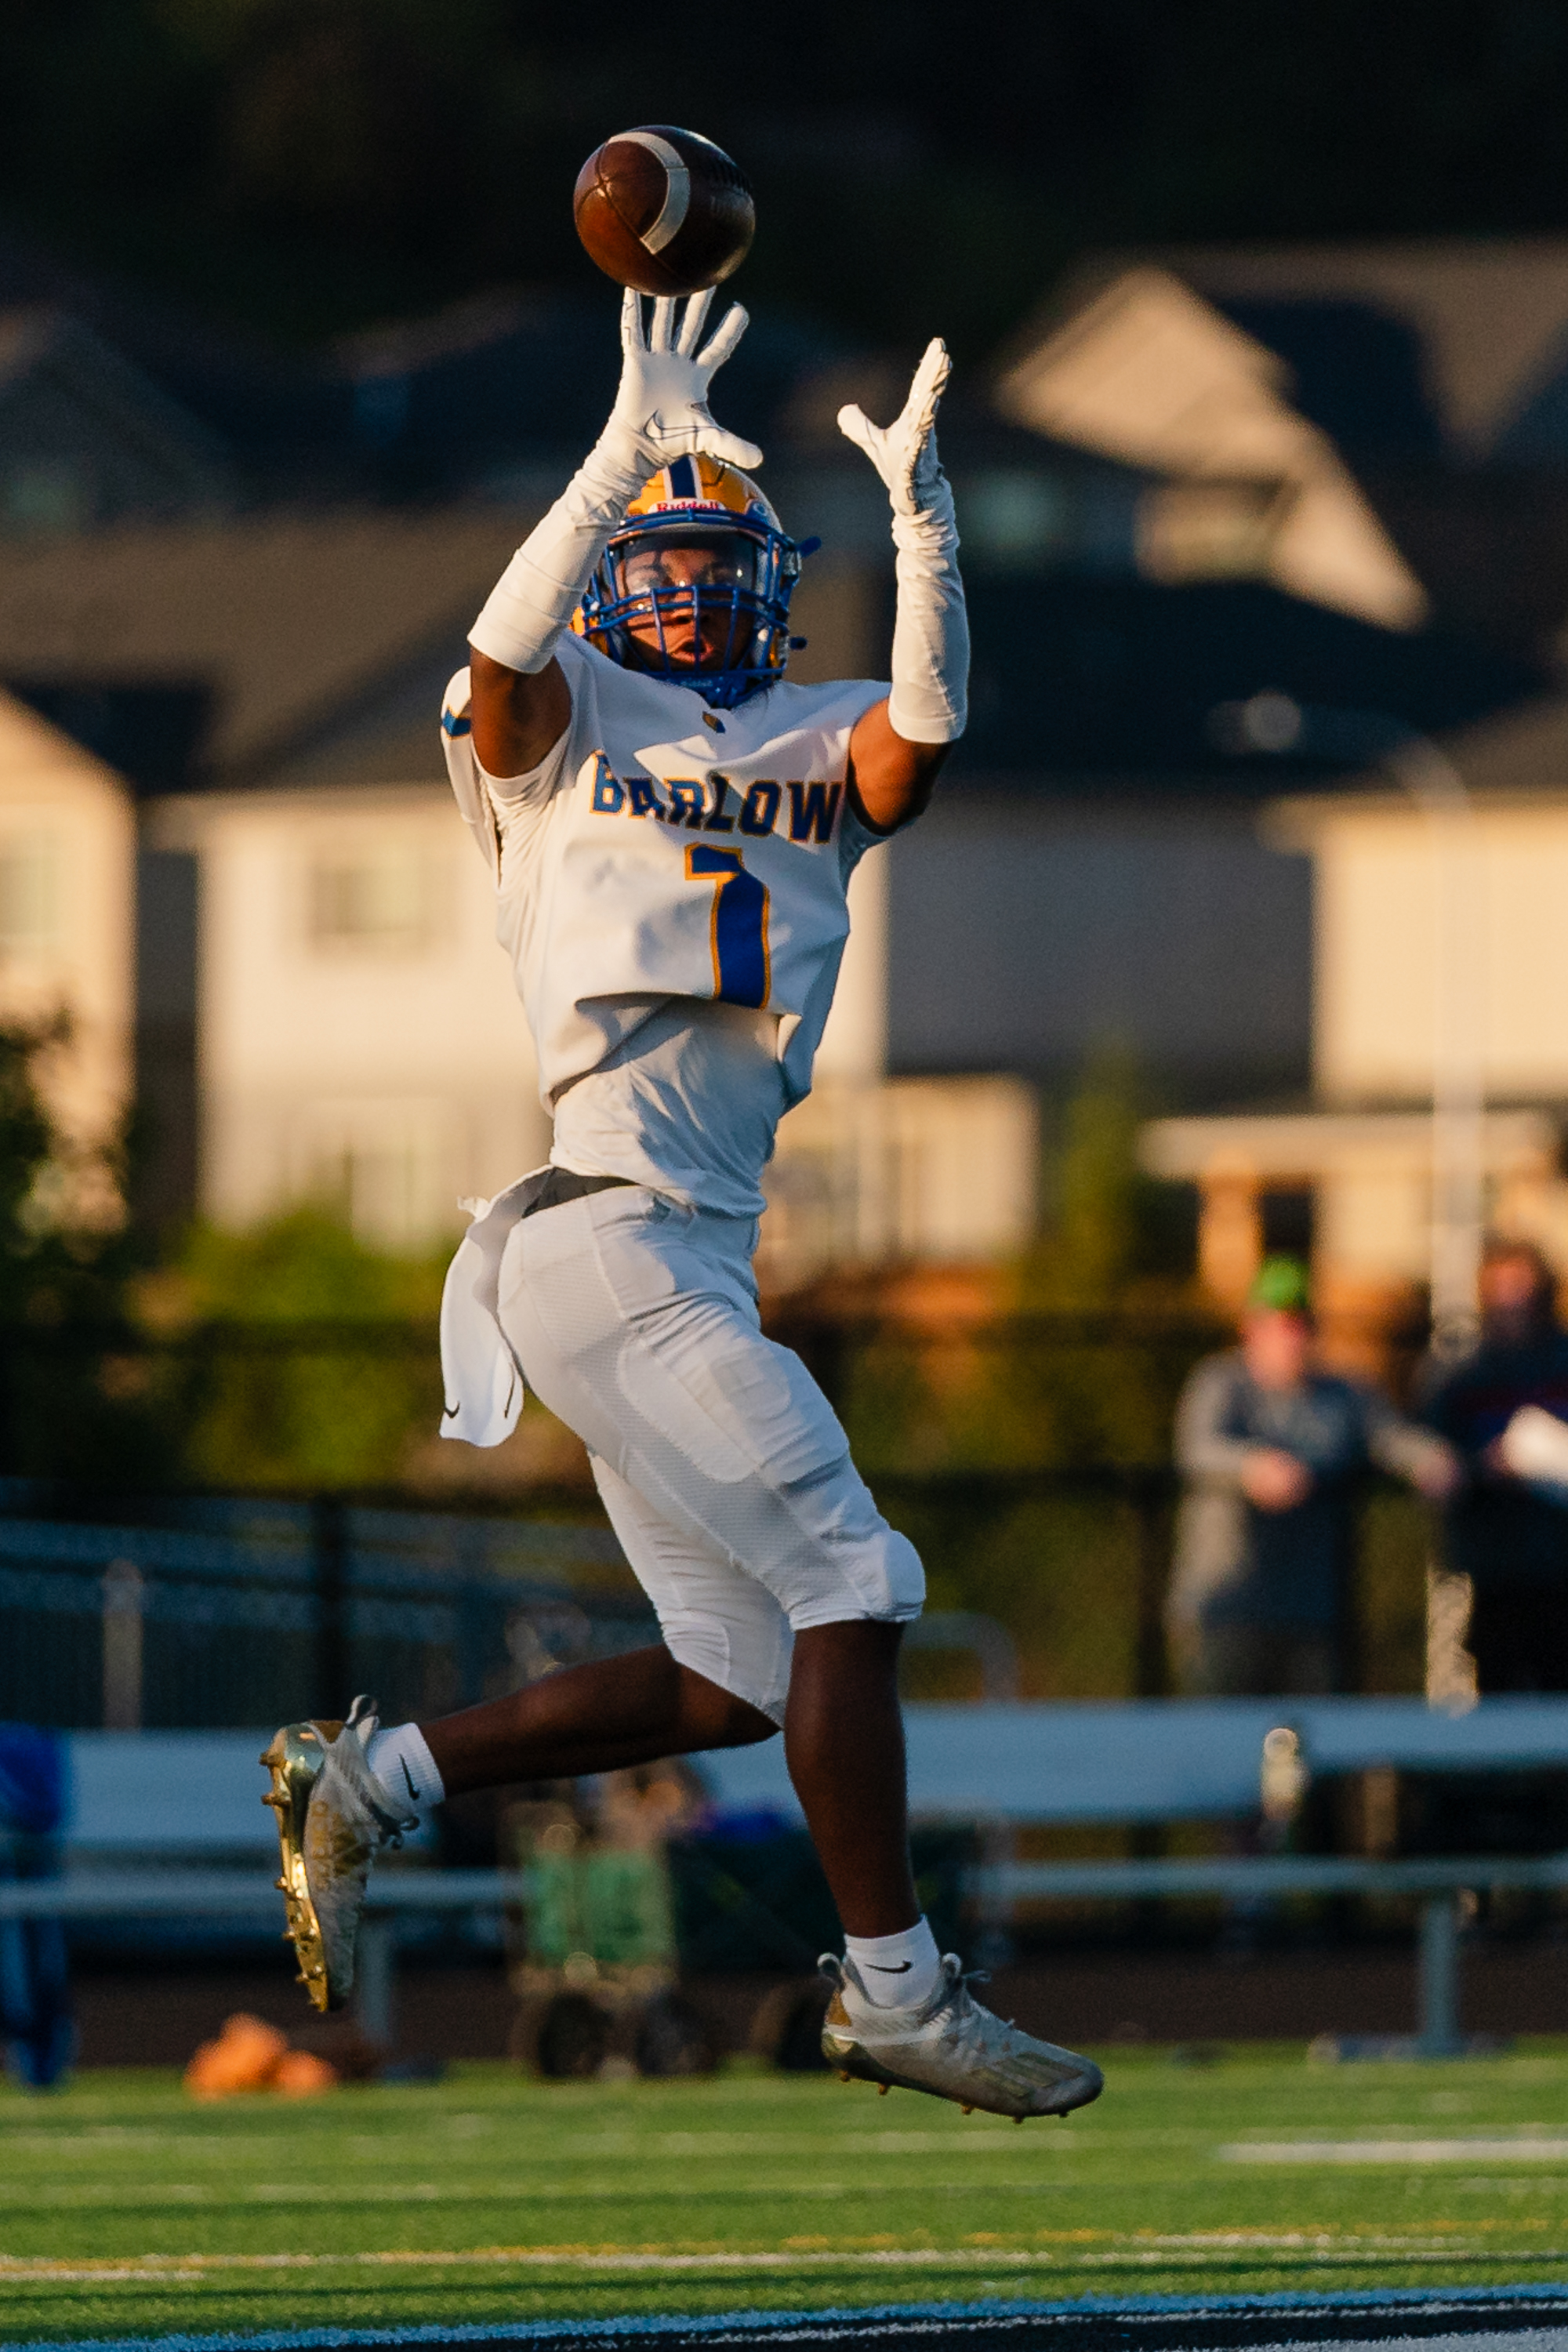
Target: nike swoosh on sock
column 409, row 1777
column 900, row 1968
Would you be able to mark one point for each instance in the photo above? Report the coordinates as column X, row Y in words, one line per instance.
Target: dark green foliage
column 76, row 1401
column 291, row 1357
column 309, row 1358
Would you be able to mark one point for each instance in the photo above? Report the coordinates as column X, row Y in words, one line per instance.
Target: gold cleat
column 294, row 1757
column 334, row 1818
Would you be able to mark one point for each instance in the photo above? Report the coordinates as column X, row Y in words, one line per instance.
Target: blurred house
column 218, row 656
column 1145, row 371
column 1339, row 471
column 357, row 1038
column 68, row 857
column 1355, row 1172
column 1382, row 427
column 1093, row 869
column 1439, row 367
column 1382, row 430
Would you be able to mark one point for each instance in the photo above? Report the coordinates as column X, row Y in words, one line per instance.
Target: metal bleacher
column 168, row 1825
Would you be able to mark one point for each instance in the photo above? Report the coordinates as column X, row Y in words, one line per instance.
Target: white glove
column 929, row 703
column 660, row 414
column 1534, row 1446
column 661, row 407
column 904, row 453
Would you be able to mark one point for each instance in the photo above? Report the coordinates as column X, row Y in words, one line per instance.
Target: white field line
column 1393, row 2151
column 86, row 2197
column 1169, row 2252
column 213, row 2145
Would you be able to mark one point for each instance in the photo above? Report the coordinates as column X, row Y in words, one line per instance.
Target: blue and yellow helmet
column 697, row 503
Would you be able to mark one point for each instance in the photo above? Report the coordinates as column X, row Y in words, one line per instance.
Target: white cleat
column 334, row 1818
column 951, row 2047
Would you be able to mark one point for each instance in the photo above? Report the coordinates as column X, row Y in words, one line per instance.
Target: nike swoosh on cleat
column 900, row 1969
column 409, row 1777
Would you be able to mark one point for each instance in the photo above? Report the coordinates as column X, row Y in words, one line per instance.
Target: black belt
column 561, row 1184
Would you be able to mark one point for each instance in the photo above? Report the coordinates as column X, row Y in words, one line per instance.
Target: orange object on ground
column 245, row 2057
column 300, row 2074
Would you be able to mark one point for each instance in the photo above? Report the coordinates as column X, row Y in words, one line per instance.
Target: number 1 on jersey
column 740, row 929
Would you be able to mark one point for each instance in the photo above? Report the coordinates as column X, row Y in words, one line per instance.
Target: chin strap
column 930, row 702
column 661, row 413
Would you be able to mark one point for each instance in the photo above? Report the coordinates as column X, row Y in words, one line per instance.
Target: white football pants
column 723, row 1466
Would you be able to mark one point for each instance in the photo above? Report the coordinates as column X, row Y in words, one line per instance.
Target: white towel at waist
column 482, row 1379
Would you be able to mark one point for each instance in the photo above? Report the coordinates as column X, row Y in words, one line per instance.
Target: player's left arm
column 898, row 746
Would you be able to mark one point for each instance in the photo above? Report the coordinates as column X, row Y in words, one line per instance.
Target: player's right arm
column 521, row 701
column 518, row 719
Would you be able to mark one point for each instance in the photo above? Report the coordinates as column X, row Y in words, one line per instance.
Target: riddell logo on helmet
column 810, row 812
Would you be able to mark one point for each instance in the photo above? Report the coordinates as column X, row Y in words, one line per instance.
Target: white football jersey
column 666, row 850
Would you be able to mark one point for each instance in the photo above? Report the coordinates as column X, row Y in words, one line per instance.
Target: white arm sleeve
column 930, row 702
column 542, row 587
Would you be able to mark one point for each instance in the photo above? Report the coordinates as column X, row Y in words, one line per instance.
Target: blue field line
column 529, row 2331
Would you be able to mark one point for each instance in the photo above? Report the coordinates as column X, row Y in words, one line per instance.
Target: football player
column 671, row 827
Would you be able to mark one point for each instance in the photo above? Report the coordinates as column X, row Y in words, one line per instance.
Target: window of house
column 387, row 1165
column 29, row 893
column 388, row 897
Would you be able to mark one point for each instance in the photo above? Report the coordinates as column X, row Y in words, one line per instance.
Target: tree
column 78, row 1400
column 310, row 1358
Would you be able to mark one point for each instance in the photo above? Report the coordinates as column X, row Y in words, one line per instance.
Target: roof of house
column 283, row 627
column 1485, row 321
column 1407, row 345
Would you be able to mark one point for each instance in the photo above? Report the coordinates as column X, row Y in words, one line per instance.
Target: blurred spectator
column 1270, row 1447
column 1507, row 1533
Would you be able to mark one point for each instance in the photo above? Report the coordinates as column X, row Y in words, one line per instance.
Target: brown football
column 664, row 210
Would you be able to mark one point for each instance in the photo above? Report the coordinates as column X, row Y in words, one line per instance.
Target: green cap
column 1282, row 1284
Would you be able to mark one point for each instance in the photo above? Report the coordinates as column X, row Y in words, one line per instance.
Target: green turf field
column 130, row 2209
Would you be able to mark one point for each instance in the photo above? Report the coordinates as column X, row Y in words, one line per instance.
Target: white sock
column 401, row 1761
column 897, row 1970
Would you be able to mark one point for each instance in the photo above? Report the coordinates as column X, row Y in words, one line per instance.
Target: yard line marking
column 194, row 2269
column 1391, row 2151
column 110, row 2195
